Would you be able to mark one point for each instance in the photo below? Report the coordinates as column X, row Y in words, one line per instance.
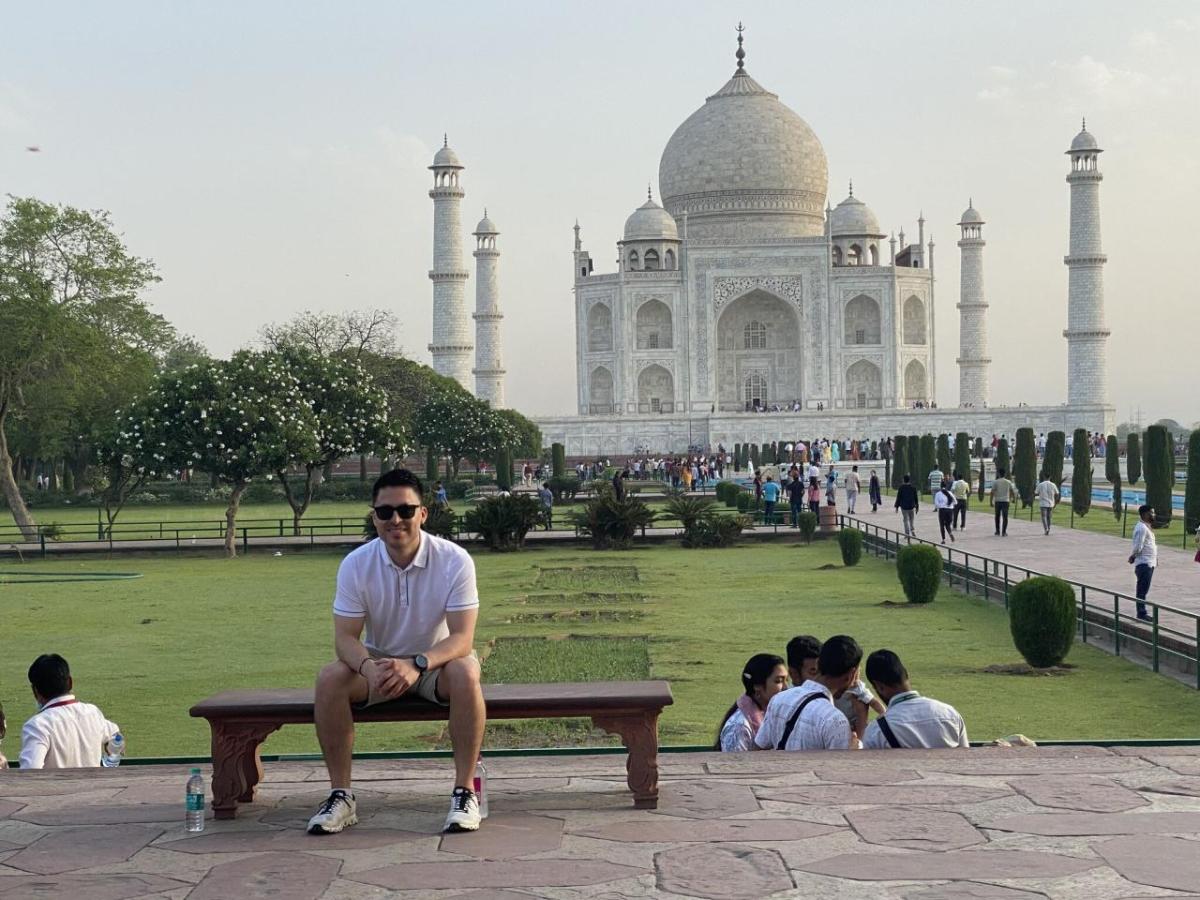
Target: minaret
column 973, row 360
column 489, row 374
column 451, row 346
column 1086, row 334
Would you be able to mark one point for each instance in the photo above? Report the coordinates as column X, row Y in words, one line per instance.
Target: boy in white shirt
column 855, row 703
column 64, row 733
column 1047, row 495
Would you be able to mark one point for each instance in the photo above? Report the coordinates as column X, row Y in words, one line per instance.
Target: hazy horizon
column 272, row 159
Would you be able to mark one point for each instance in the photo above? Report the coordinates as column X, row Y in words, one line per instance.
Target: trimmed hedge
column 1191, row 491
column 901, row 464
column 503, row 464
column 503, row 522
column 850, row 542
column 1041, row 616
column 1112, row 460
column 1025, row 465
column 962, row 457
column 919, row 568
column 806, row 521
column 1056, row 454
column 1081, row 476
column 981, row 476
column 944, row 461
column 1133, row 457
column 1160, row 473
column 558, row 460
column 1118, row 502
column 1003, row 457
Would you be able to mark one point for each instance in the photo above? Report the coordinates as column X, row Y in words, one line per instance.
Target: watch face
column 421, row 662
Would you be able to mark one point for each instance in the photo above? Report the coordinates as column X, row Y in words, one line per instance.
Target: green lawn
column 193, row 625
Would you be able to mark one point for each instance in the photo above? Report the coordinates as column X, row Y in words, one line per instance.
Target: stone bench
column 242, row 720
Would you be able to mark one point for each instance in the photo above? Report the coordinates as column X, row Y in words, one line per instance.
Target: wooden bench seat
column 242, row 720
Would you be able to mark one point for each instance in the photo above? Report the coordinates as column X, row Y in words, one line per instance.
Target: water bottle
column 114, row 749
column 195, row 801
column 480, row 787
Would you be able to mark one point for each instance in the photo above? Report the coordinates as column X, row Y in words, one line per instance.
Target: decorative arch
column 656, row 390
column 600, row 391
column 837, row 255
column 669, row 260
column 916, row 385
column 633, row 260
column 874, row 254
column 855, row 256
column 653, row 323
column 914, row 320
column 754, row 390
column 864, row 386
column 599, row 328
column 650, row 261
column 862, row 321
column 758, row 334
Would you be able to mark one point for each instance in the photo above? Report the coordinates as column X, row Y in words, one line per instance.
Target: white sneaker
column 464, row 811
column 337, row 812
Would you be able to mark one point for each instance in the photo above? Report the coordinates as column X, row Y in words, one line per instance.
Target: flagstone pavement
column 1009, row 824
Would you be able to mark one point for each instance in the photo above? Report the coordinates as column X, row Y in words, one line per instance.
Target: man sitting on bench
column 416, row 596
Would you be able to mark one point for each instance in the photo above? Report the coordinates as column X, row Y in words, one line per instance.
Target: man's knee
column 461, row 676
column 335, row 680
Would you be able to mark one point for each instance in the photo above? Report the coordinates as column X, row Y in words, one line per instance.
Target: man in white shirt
column 911, row 720
column 65, row 733
column 1144, row 557
column 805, row 717
column 1047, row 495
column 852, row 486
column 415, row 595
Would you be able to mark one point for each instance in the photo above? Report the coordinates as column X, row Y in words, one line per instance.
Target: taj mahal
column 746, row 307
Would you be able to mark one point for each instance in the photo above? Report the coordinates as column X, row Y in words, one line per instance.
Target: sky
column 271, row 157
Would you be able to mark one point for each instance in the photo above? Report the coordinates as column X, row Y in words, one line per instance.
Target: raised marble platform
column 1089, row 823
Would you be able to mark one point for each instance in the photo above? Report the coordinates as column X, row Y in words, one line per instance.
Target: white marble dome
column 853, row 218
column 446, row 158
column 1085, row 140
column 486, row 225
column 744, row 164
column 650, row 222
column 971, row 216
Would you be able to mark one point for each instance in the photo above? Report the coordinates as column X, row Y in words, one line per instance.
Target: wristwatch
column 421, row 662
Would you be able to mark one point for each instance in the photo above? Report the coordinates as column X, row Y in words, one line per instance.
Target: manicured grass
column 145, row 650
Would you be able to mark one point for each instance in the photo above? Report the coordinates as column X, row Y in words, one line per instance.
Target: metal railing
column 1105, row 618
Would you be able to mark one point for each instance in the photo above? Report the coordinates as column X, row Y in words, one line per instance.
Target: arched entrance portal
column 758, row 338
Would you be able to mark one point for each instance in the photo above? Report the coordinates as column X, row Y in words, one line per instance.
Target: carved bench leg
column 237, row 768
column 639, row 734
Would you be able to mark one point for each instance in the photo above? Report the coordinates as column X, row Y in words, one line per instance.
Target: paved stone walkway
column 1088, row 823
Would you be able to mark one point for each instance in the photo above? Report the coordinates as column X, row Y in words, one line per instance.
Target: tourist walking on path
column 874, row 492
column 795, row 491
column 770, row 492
column 907, row 503
column 943, row 500
column 1047, row 495
column 962, row 494
column 618, row 483
column 814, row 496
column 547, row 498
column 852, row 486
column 763, row 676
column 911, row 721
column 831, row 488
column 1144, row 557
column 1001, row 495
column 936, row 477
column 415, row 595
column 64, row 733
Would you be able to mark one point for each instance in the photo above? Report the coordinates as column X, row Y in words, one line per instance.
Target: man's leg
column 337, row 688
column 1047, row 512
column 998, row 505
column 458, row 685
column 1144, row 573
column 1004, row 515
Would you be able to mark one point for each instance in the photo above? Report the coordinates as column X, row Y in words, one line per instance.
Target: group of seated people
column 828, row 706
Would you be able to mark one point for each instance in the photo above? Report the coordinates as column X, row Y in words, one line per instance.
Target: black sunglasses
column 384, row 513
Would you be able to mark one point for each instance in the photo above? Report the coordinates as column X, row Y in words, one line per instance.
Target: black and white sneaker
column 337, row 812
column 464, row 811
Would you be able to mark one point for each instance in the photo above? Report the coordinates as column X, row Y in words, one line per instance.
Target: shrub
column 1133, row 457
column 716, row 531
column 1081, row 476
column 442, row 521
column 431, row 464
column 1003, row 458
column 558, row 460
column 260, row 492
column 806, row 521
column 850, row 542
column 1118, row 503
column 564, row 489
column 919, row 568
column 979, row 448
column 1041, row 614
column 1056, row 448
column 458, row 489
column 927, row 461
column 689, row 510
column 913, row 451
column 612, row 523
column 982, row 493
column 745, row 501
column 1191, row 495
column 503, row 522
column 1025, row 465
column 503, row 463
column 1159, row 457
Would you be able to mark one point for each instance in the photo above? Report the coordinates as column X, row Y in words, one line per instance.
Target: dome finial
column 649, row 196
column 1084, row 124
column 445, row 139
column 485, row 215
column 741, row 54
column 851, row 187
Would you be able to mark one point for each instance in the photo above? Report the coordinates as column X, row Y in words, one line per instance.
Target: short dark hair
column 839, row 655
column 1144, row 508
column 397, row 478
column 907, row 479
column 999, row 473
column 50, row 675
column 800, row 648
column 884, row 667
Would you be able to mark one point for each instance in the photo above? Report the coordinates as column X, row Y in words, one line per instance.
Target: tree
column 1174, row 429
column 344, row 333
column 928, row 459
column 913, row 451
column 129, row 449
column 558, row 460
column 1025, row 465
column 351, row 417
column 1191, row 496
column 69, row 303
column 527, row 437
column 1133, row 457
column 901, row 467
column 1081, row 474
column 1056, row 448
column 944, row 462
column 962, row 457
column 979, row 448
column 1112, row 460
column 238, row 420
column 462, row 427
column 981, row 478
column 1160, row 473
column 1003, row 459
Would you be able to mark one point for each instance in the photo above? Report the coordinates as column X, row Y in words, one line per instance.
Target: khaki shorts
column 425, row 687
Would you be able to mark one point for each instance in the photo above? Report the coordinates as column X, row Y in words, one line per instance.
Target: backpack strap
column 887, row 732
column 795, row 717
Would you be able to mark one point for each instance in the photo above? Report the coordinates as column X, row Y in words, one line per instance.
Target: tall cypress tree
column 1081, row 475
column 1112, row 460
column 431, row 464
column 1160, row 465
column 928, row 459
column 979, row 448
column 1133, row 457
column 962, row 456
column 1025, row 465
column 1003, row 459
column 945, row 463
column 982, row 492
column 1191, row 495
column 1056, row 448
column 913, row 449
column 900, row 463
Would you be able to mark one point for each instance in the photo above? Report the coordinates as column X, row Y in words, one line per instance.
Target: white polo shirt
column 405, row 608
column 918, row 721
column 820, row 727
column 65, row 734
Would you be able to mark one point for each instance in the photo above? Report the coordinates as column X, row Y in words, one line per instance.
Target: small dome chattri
column 446, row 158
column 1085, row 140
column 486, row 225
column 852, row 217
column 650, row 222
column 971, row 216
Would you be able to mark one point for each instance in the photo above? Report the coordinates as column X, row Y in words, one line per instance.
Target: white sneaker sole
column 459, row 827
column 325, row 829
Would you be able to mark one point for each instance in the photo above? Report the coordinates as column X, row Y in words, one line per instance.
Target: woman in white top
column 944, row 500
column 763, row 676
